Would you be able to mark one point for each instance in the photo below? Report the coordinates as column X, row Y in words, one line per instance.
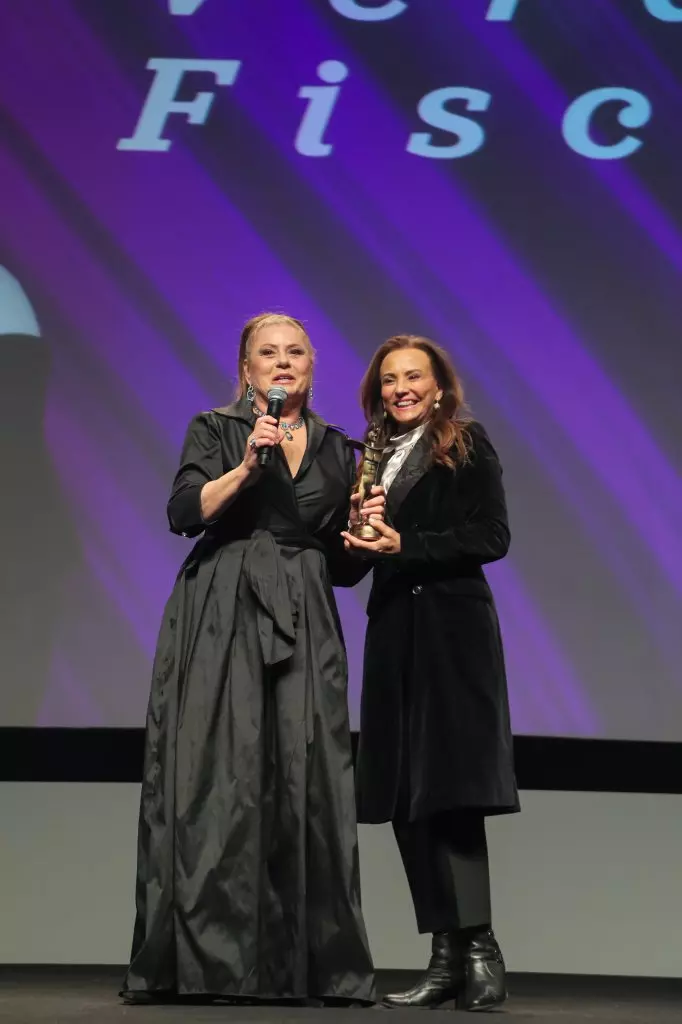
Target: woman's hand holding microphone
column 266, row 433
column 216, row 495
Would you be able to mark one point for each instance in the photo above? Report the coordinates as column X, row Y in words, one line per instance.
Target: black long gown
column 248, row 879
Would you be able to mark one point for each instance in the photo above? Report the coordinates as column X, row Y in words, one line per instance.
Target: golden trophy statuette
column 370, row 467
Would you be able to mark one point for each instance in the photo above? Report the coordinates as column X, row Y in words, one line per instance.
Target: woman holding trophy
column 435, row 754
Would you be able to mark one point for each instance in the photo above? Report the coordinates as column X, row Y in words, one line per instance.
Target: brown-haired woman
column 247, row 881
column 435, row 754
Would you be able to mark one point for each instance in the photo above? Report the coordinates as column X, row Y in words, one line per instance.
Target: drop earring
column 310, row 393
column 250, row 393
column 436, row 404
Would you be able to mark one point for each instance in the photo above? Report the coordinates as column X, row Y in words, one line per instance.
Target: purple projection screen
column 503, row 176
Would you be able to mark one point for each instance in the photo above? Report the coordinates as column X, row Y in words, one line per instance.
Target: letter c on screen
column 576, row 124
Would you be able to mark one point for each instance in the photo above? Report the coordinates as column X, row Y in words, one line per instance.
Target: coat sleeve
column 201, row 461
column 345, row 569
column 483, row 534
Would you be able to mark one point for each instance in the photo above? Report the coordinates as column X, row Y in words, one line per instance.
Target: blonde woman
column 247, row 884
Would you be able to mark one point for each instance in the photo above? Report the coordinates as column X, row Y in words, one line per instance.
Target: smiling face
column 279, row 355
column 408, row 387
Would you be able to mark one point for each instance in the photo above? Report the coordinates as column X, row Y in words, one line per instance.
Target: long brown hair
column 249, row 330
column 447, row 425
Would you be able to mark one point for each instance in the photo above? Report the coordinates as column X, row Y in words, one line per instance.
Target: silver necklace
column 286, row 427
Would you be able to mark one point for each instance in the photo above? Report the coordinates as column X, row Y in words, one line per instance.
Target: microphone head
column 277, row 395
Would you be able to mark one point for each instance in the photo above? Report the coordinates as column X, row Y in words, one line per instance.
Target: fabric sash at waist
column 264, row 570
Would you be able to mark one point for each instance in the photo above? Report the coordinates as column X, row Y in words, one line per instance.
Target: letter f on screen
column 161, row 100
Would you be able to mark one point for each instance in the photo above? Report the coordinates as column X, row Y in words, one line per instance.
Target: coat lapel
column 412, row 470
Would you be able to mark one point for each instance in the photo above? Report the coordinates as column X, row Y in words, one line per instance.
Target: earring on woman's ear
column 436, row 404
column 310, row 393
column 385, row 415
column 250, row 393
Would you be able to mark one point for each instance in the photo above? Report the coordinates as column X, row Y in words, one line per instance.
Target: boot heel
column 485, row 986
column 485, row 980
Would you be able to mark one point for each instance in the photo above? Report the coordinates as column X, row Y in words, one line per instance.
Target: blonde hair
column 249, row 331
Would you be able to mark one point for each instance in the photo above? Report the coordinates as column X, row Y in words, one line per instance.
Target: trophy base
column 363, row 531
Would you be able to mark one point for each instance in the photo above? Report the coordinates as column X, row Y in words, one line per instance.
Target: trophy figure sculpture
column 370, row 465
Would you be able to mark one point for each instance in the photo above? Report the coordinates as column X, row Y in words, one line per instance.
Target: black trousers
column 446, row 863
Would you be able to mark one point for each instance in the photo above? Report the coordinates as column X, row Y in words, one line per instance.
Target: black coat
column 435, row 710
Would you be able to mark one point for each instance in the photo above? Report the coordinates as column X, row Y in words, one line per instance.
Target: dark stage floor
column 70, row 995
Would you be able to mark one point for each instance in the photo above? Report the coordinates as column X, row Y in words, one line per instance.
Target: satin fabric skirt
column 248, row 877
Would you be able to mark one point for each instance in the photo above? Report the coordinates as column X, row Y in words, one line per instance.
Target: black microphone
column 276, row 399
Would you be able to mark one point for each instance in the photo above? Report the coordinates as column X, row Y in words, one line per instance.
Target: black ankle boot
column 485, row 984
column 443, row 978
